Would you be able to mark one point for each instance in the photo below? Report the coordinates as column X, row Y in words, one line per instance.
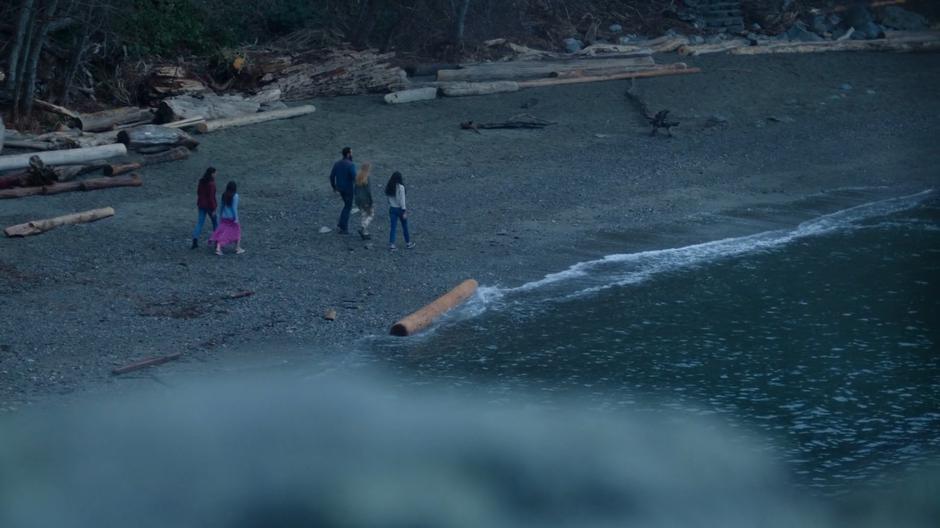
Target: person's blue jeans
column 202, row 220
column 347, row 207
column 394, row 214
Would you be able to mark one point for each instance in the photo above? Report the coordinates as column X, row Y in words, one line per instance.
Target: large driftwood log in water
column 425, row 316
column 37, row 227
column 147, row 136
column 108, row 119
column 64, row 157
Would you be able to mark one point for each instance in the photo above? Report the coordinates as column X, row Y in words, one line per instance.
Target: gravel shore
column 502, row 206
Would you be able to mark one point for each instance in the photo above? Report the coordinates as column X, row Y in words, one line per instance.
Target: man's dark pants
column 347, row 207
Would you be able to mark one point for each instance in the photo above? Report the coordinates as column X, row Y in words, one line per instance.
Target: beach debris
column 421, row 319
column 897, row 41
column 517, row 121
column 260, row 117
column 656, row 121
column 93, row 184
column 63, row 157
column 173, row 154
column 110, row 119
column 37, row 227
column 461, row 89
column 144, row 363
column 238, row 295
column 117, row 169
column 412, row 95
column 150, row 137
column 330, row 315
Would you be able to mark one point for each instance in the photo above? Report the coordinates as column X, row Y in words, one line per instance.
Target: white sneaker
column 391, row 247
column 410, row 245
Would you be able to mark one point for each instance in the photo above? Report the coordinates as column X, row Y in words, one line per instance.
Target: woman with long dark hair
column 229, row 230
column 205, row 201
column 397, row 210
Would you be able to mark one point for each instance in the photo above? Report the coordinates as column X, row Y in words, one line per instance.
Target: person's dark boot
column 195, row 243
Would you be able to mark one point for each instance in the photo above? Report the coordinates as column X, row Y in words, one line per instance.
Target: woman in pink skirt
column 229, row 229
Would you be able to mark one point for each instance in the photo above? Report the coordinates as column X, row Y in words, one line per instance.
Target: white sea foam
column 631, row 268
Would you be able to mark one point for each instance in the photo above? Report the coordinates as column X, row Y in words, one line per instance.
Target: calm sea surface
column 821, row 338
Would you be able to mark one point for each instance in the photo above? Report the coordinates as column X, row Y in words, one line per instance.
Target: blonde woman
column 363, row 197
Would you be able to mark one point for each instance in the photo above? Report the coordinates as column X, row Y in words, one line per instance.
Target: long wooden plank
column 613, row 77
column 535, row 69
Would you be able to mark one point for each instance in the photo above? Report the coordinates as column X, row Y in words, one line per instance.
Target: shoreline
column 503, row 207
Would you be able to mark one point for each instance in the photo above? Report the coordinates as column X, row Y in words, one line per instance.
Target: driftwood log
column 2, row 133
column 425, row 316
column 152, row 136
column 185, row 123
column 537, row 69
column 144, row 363
column 656, row 121
column 667, row 69
column 411, row 95
column 64, row 157
column 130, row 180
column 518, row 121
column 692, row 50
column 109, row 119
column 174, row 154
column 208, row 107
column 336, row 71
column 56, row 109
column 37, row 227
column 460, row 89
column 260, row 117
column 114, row 170
column 897, row 41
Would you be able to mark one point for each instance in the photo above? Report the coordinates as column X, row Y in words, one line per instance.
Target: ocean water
column 820, row 339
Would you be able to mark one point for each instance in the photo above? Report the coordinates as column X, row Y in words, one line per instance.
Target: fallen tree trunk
column 260, row 117
column 460, row 89
column 411, row 96
column 131, row 180
column 108, row 119
column 148, row 136
column 69, row 172
column 671, row 69
column 535, row 69
column 114, row 170
column 896, row 41
column 37, row 227
column 63, row 157
column 31, row 144
column 174, row 154
column 425, row 316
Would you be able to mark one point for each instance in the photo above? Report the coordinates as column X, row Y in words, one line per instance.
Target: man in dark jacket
column 343, row 181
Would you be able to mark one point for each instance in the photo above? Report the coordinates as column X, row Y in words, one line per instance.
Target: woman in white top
column 397, row 210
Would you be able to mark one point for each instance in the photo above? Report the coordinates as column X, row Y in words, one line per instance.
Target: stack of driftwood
column 525, row 67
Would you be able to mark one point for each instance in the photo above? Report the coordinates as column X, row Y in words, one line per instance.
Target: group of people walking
column 351, row 183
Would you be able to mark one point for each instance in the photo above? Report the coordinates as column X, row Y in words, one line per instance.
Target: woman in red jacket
column 205, row 200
